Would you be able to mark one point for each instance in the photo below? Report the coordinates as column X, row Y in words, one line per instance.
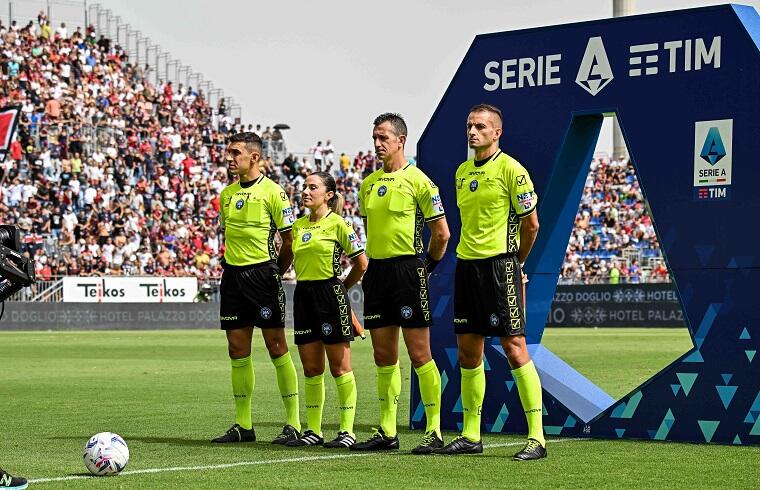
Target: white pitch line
column 269, row 461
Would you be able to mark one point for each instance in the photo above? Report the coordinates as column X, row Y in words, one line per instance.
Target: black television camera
column 16, row 271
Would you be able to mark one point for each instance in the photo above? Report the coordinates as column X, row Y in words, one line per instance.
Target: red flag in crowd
column 8, row 123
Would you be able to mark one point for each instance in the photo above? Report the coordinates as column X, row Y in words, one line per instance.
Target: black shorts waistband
column 243, row 268
column 489, row 259
column 318, row 282
column 393, row 260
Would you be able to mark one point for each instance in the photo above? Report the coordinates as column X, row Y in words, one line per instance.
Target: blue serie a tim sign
column 685, row 88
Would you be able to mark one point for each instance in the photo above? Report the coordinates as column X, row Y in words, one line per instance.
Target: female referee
column 321, row 308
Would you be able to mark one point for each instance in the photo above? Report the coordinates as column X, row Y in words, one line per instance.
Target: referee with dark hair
column 321, row 306
column 497, row 204
column 253, row 210
column 396, row 201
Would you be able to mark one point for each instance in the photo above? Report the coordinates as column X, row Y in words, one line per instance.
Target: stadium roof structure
column 685, row 87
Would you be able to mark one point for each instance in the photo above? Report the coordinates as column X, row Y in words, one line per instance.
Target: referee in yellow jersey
column 396, row 201
column 253, row 210
column 497, row 204
column 321, row 306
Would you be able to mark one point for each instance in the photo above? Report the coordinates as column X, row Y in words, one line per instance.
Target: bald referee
column 253, row 210
column 396, row 201
column 497, row 204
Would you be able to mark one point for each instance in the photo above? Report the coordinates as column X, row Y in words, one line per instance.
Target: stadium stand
column 613, row 239
column 112, row 174
column 109, row 173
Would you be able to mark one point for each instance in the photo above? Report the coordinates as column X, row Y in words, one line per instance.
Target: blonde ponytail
column 336, row 203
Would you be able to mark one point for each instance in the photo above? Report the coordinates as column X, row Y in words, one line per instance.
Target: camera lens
column 5, row 238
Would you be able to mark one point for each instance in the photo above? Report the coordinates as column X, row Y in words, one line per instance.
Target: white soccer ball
column 106, row 454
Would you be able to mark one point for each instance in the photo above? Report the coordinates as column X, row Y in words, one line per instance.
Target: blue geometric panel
column 626, row 409
column 444, row 379
column 703, row 253
column 695, row 356
column 687, row 381
column 553, row 113
column 726, row 394
column 418, row 414
column 501, row 419
column 452, row 354
column 667, row 423
column 708, row 428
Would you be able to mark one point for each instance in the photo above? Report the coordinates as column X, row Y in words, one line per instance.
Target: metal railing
column 41, row 291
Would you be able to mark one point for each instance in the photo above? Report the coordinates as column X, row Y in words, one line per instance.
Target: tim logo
column 595, row 71
column 712, row 193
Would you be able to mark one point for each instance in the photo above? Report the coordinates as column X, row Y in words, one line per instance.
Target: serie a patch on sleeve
column 355, row 242
column 287, row 216
column 526, row 200
column 437, row 203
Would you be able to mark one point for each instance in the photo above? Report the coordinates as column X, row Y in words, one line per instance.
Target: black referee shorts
column 396, row 293
column 252, row 295
column 322, row 312
column 488, row 297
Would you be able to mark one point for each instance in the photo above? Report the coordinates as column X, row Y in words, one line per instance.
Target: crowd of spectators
column 109, row 173
column 613, row 239
column 112, row 174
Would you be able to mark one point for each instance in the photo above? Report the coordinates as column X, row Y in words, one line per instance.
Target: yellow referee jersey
column 250, row 216
column 318, row 246
column 396, row 205
column 492, row 196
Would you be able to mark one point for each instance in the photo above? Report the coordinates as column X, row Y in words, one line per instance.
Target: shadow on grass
column 265, row 431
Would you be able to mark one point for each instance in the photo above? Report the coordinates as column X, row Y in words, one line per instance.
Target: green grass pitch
column 167, row 393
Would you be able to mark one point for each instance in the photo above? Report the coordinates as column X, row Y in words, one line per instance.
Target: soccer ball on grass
column 106, row 454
